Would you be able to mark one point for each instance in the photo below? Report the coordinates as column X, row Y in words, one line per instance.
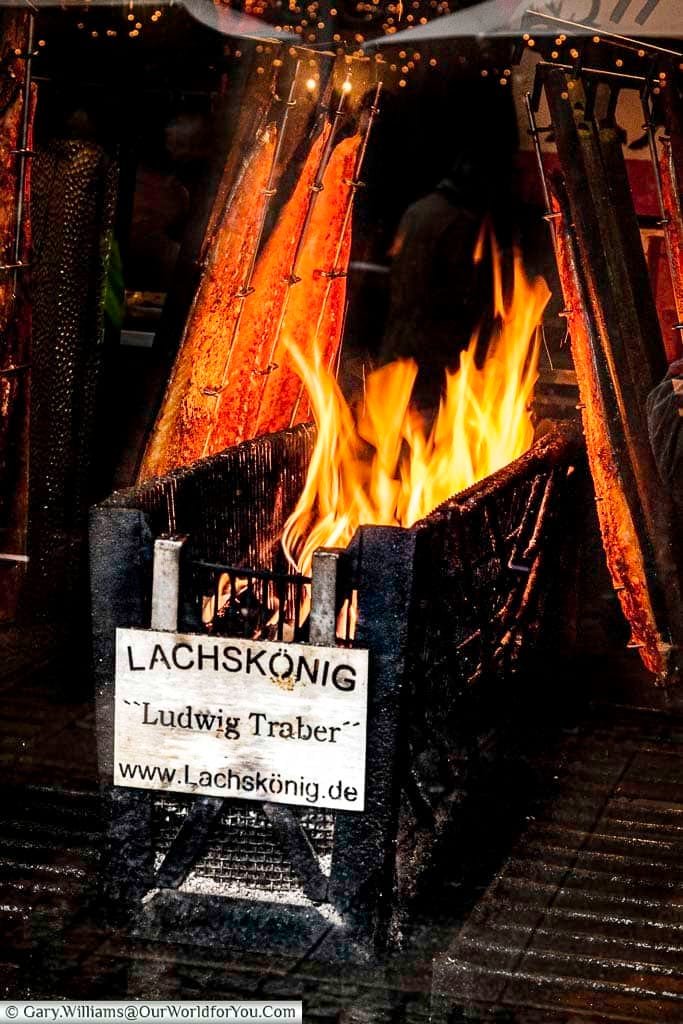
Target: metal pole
column 323, row 615
column 605, row 34
column 665, row 222
column 22, row 153
column 535, row 132
column 166, row 582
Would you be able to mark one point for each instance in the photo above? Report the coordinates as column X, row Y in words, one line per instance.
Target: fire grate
column 248, row 603
column 245, row 853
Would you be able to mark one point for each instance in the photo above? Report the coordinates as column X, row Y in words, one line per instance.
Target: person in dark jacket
column 665, row 423
column 438, row 294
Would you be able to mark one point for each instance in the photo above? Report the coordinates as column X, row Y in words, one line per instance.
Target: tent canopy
column 634, row 18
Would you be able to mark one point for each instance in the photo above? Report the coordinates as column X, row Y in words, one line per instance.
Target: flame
column 380, row 464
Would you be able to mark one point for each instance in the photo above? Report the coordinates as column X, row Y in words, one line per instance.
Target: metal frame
column 424, row 717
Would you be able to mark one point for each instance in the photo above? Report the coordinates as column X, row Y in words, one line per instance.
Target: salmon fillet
column 315, row 310
column 253, row 350
column 619, row 535
column 186, row 417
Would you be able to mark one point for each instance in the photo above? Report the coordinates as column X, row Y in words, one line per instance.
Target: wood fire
column 380, row 464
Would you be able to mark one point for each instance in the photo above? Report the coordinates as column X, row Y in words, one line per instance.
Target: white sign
column 255, row 720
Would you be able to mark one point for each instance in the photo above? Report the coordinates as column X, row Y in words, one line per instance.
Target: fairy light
column 347, row 87
column 311, row 84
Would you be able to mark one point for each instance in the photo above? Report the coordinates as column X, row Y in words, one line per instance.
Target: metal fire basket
column 456, row 613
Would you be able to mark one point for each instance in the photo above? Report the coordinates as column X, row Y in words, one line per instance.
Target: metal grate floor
column 585, row 919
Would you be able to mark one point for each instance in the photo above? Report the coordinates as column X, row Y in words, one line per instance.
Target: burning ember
column 380, row 464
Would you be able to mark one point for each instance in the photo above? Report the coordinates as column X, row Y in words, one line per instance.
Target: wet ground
column 576, row 918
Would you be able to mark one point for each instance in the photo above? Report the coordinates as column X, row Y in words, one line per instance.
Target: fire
column 379, row 463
